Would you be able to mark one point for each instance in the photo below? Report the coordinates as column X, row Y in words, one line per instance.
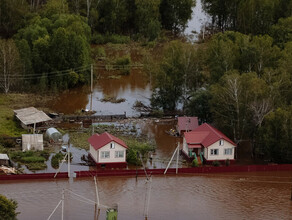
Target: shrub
column 137, row 147
column 195, row 163
column 98, row 52
column 124, row 64
column 33, row 159
column 56, row 160
column 110, row 38
column 227, row 162
column 216, row 163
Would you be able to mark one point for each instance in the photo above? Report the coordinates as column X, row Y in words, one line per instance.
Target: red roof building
column 186, row 124
column 107, row 150
column 208, row 143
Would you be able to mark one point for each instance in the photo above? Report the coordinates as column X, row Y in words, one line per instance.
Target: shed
column 32, row 142
column 30, row 116
column 186, row 124
column 52, row 134
column 4, row 159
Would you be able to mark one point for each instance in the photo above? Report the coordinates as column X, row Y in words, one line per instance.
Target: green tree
column 147, row 18
column 199, row 105
column 7, row 208
column 176, row 76
column 12, row 13
column 176, row 13
column 282, row 31
column 275, row 135
column 9, row 64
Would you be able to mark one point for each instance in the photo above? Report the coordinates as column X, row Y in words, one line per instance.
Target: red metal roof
column 98, row 141
column 187, row 123
column 205, row 135
column 194, row 146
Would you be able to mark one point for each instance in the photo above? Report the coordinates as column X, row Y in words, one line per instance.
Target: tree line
column 46, row 43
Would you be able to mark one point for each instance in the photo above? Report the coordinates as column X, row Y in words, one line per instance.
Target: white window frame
column 221, row 142
column 105, row 154
column 119, row 154
column 214, row 152
column 112, row 145
column 228, row 151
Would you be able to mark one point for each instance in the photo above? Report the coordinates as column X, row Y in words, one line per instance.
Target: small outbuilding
column 32, row 142
column 53, row 135
column 31, row 117
column 107, row 150
column 185, row 124
column 4, row 160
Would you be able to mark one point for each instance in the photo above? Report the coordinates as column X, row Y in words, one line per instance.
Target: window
column 119, row 154
column 112, row 146
column 105, row 154
column 214, row 151
column 221, row 142
column 228, row 151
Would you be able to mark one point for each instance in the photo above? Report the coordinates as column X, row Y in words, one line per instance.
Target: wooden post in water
column 63, row 198
column 69, row 157
column 177, row 158
column 91, row 87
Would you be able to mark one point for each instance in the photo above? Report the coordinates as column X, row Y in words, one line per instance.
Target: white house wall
column 93, row 153
column 185, row 147
column 112, row 158
column 221, row 155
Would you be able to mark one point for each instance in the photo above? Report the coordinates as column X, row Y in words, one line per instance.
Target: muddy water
column 133, row 87
column 214, row 196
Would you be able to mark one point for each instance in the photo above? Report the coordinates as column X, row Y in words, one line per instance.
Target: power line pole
column 63, row 198
column 91, row 87
column 69, row 157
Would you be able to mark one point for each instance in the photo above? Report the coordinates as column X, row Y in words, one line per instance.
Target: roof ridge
column 214, row 130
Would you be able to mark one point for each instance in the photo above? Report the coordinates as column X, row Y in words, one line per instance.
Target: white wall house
column 107, row 150
column 210, row 142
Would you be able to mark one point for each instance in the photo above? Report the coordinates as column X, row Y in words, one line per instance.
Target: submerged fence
column 141, row 172
column 33, row 176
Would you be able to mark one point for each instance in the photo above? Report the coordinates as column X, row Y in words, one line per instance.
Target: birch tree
column 9, row 64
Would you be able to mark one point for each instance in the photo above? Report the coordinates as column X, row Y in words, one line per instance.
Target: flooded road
column 264, row 195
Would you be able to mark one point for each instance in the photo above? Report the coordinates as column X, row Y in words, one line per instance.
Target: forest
column 237, row 75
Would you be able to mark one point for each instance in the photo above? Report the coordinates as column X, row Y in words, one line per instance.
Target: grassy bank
column 10, row 102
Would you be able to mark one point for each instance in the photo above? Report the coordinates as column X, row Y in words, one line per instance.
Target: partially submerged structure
column 32, row 142
column 4, row 159
column 185, row 124
column 31, row 117
column 208, row 144
column 53, row 135
column 107, row 150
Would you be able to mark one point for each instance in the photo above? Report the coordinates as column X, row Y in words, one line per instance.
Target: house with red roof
column 209, row 144
column 107, row 150
column 185, row 124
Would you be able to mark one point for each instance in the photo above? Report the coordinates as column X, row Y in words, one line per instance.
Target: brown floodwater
column 262, row 195
column 133, row 87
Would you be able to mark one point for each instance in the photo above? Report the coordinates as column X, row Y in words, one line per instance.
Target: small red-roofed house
column 208, row 142
column 107, row 150
column 185, row 124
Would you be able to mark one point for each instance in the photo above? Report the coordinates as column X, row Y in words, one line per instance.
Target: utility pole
column 176, row 151
column 69, row 157
column 177, row 157
column 91, row 86
column 63, row 198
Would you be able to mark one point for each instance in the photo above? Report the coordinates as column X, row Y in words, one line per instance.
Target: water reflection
column 133, row 87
